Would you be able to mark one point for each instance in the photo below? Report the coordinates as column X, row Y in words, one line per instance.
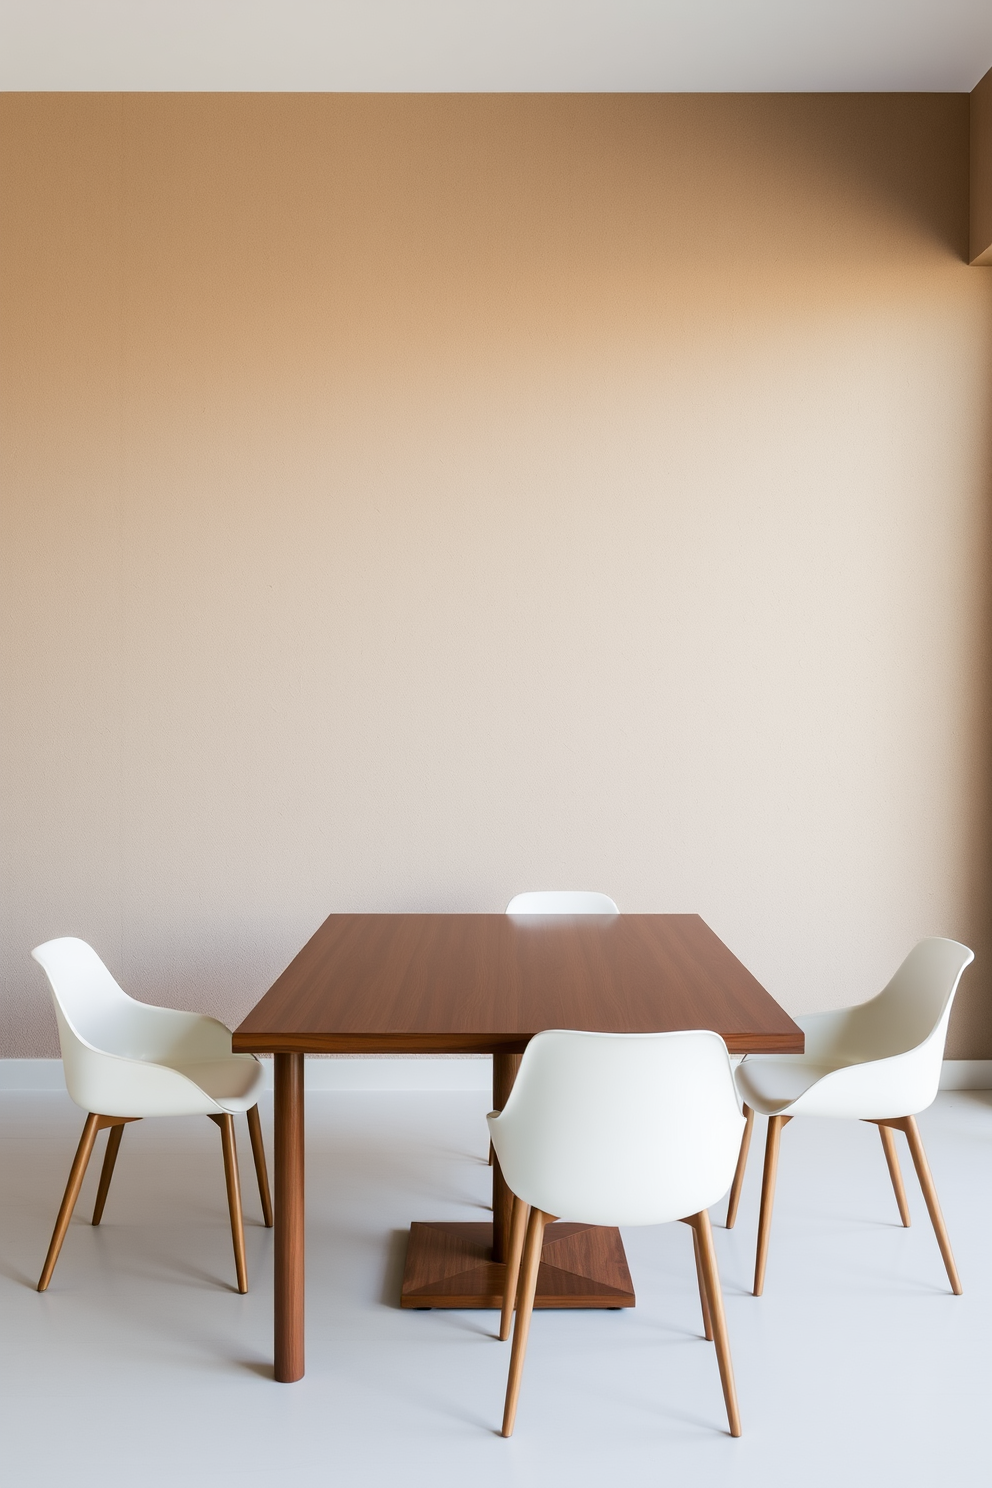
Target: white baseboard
column 966, row 1074
column 396, row 1072
column 31, row 1074
column 414, row 1072
column 392, row 1072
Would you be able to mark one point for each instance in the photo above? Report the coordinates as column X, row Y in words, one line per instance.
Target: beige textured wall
column 411, row 500
column 981, row 171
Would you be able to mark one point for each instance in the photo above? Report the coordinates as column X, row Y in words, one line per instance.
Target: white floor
column 142, row 1367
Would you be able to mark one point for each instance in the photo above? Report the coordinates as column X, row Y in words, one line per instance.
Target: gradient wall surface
column 408, row 501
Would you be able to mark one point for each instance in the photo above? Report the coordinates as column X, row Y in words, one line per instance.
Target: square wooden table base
column 451, row 1265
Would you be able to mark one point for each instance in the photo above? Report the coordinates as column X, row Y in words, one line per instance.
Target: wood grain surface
column 485, row 984
column 451, row 1265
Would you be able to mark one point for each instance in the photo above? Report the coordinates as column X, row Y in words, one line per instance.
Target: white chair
column 125, row 1060
column 877, row 1062
column 617, row 1129
column 561, row 901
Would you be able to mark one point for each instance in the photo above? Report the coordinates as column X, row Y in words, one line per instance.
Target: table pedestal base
column 450, row 1265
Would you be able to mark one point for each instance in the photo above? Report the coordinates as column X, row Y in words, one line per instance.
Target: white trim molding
column 396, row 1072
column 413, row 1072
column 31, row 1074
column 966, row 1074
column 350, row 1072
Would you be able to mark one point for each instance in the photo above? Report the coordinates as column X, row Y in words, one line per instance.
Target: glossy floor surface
column 142, row 1365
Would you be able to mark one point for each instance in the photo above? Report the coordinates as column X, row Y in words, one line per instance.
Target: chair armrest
column 898, row 1085
column 829, row 1036
column 112, row 1085
column 169, row 1035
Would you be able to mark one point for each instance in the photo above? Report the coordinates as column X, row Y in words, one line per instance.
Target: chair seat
column 771, row 1083
column 233, row 1082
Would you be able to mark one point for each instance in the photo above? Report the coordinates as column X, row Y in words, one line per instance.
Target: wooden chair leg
column 107, row 1171
column 704, row 1236
column 226, row 1124
column 525, row 1306
column 518, row 1229
column 768, row 1177
column 909, row 1126
column 261, row 1172
column 704, row 1301
column 77, row 1173
column 738, row 1183
column 895, row 1172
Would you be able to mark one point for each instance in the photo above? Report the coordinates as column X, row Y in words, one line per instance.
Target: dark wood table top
column 485, row 984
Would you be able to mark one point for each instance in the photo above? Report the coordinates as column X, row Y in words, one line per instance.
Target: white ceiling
column 498, row 45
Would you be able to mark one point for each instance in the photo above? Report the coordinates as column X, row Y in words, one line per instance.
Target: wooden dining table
column 485, row 984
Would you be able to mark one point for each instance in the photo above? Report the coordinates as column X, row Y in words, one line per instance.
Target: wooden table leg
column 505, row 1068
column 289, row 1291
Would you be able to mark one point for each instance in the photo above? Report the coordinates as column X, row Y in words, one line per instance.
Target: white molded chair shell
column 608, row 1129
column 561, row 901
column 881, row 1058
column 126, row 1058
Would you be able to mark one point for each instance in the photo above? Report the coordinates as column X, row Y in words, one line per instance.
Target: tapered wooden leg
column 768, row 1177
column 289, row 1238
column 107, row 1171
column 76, row 1175
column 233, row 1177
column 525, row 1306
column 738, row 1183
column 701, row 1229
column 518, row 1229
column 895, row 1173
column 701, row 1280
column 505, row 1068
column 261, row 1172
column 909, row 1126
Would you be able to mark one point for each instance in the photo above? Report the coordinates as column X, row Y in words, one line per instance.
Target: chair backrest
column 93, row 1008
column 913, row 1007
column 616, row 1128
column 561, row 901
column 94, row 1012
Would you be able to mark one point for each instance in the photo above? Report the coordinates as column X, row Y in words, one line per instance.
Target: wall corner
column 981, row 172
